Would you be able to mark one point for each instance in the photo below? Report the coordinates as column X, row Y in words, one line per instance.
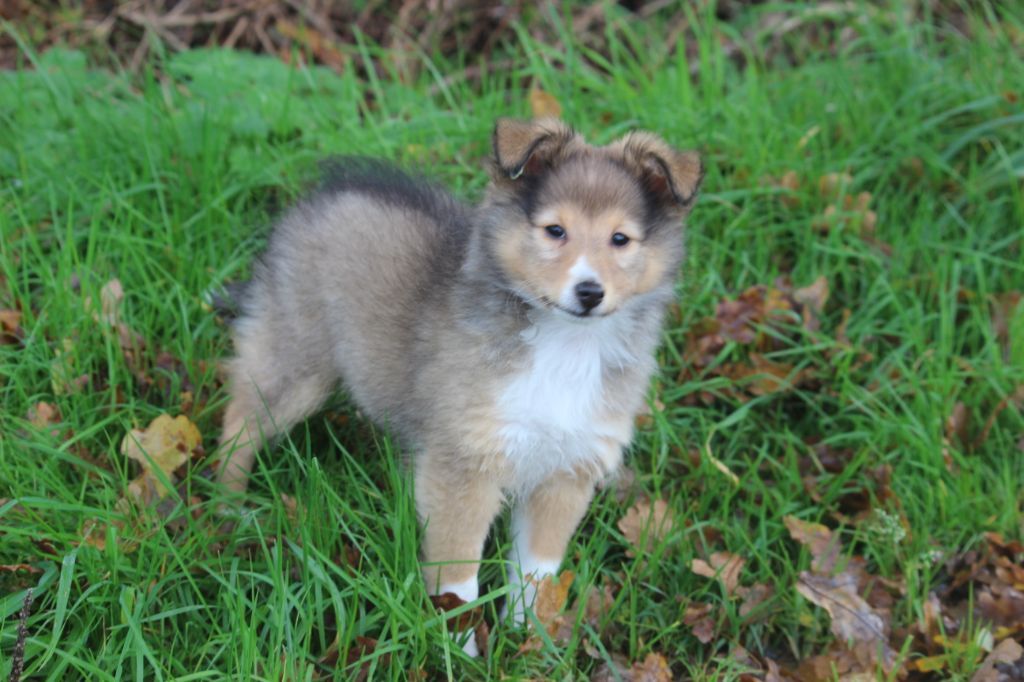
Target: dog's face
column 587, row 229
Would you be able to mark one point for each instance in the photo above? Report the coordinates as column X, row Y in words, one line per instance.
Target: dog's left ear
column 672, row 177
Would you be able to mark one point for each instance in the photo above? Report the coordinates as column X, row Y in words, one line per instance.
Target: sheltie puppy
column 508, row 346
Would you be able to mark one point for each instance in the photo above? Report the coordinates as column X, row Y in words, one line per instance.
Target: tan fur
column 625, row 271
column 555, row 508
column 446, row 323
column 454, row 534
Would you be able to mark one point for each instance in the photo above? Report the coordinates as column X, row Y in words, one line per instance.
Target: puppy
column 509, row 346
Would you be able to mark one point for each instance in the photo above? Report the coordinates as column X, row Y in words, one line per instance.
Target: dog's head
column 582, row 229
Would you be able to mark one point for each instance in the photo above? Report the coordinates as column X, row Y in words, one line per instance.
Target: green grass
column 168, row 182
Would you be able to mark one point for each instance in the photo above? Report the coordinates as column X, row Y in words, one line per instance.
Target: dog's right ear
column 530, row 147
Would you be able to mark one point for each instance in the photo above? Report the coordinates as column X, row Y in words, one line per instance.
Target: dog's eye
column 619, row 239
column 556, row 231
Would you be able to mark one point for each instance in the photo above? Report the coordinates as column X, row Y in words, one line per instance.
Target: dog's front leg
column 542, row 525
column 457, row 509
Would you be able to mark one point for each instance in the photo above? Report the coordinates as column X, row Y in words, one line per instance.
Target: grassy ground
column 167, row 182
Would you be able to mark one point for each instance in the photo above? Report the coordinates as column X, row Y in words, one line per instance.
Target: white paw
column 469, row 646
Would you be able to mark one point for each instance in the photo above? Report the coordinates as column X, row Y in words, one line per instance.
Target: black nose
column 590, row 294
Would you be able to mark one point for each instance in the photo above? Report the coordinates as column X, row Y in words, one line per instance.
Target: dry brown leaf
column 818, row 539
column 957, row 424
column 450, row 601
column 774, row 673
column 654, row 668
column 772, row 377
column 752, row 597
column 20, row 568
column 698, row 616
column 111, row 296
column 1004, row 308
column 43, row 414
column 362, row 648
column 1001, row 604
column 548, row 607
column 723, row 566
column 831, row 185
column 552, row 595
column 1008, row 651
column 931, row 664
column 836, row 665
column 10, row 327
column 645, row 524
column 164, row 445
column 322, row 47
column 94, row 534
column 789, row 183
column 737, row 319
column 544, row 104
column 854, row 214
column 814, row 295
column 853, row 619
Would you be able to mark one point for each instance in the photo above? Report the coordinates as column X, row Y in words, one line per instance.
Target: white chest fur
column 552, row 409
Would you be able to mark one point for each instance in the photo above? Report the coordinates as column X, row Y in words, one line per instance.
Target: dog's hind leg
column 269, row 395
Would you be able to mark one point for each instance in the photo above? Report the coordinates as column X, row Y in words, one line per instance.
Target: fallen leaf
column 853, row 619
column 361, row 653
column 1006, row 309
column 831, row 185
column 768, row 376
column 19, row 568
column 818, row 539
column 774, row 673
column 548, row 607
column 957, row 423
column 723, row 566
column 10, row 327
column 163, row 446
column 111, row 295
column 931, row 664
column 790, row 182
column 1008, row 651
column 322, row 47
column 698, row 617
column 837, row 665
column 814, row 295
column 737, row 319
column 645, row 524
column 544, row 104
column 449, row 601
column 853, row 214
column 552, row 595
column 753, row 597
column 654, row 668
column 43, row 414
